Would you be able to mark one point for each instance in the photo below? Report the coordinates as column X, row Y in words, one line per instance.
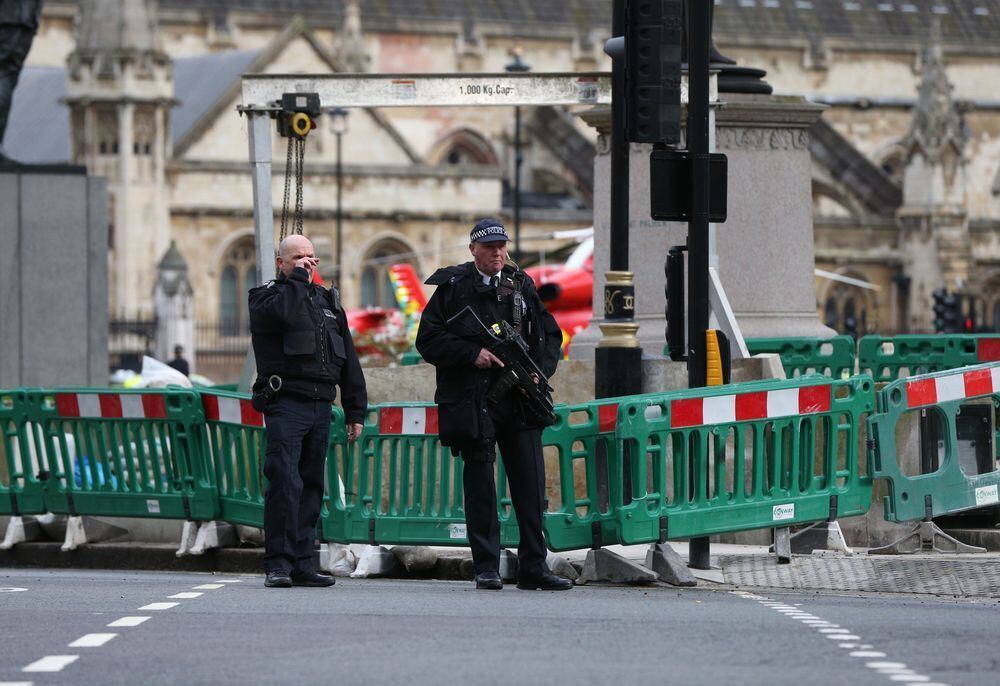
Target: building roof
column 965, row 23
column 866, row 22
column 198, row 82
column 38, row 129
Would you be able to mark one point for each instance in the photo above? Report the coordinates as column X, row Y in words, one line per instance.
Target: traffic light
column 953, row 313
column 940, row 309
column 653, row 34
column 947, row 311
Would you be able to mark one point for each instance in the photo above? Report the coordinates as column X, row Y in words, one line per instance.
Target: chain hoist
column 297, row 118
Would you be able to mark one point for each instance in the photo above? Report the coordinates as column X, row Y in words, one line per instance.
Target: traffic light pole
column 618, row 358
column 699, row 50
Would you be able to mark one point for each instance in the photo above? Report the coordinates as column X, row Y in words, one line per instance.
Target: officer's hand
column 485, row 359
column 307, row 263
column 353, row 431
column 535, row 380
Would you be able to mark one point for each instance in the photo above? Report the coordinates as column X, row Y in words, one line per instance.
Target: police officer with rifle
column 494, row 347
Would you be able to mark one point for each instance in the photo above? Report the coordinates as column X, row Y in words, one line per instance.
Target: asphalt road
column 440, row 632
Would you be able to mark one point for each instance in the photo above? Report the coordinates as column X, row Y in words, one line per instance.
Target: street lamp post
column 516, row 66
column 339, row 123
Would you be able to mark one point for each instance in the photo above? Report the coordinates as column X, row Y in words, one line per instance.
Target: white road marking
column 12, row 589
column 51, row 663
column 128, row 621
column 91, row 640
column 16, row 683
column 208, row 587
column 159, row 606
column 894, row 671
column 186, row 595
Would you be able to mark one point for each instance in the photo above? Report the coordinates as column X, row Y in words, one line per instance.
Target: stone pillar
column 765, row 248
column 172, row 295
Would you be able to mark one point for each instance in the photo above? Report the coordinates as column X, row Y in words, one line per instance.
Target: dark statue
column 18, row 25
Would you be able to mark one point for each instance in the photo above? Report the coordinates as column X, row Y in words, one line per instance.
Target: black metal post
column 699, row 39
column 618, row 357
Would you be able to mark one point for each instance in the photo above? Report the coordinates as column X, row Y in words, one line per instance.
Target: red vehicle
column 567, row 289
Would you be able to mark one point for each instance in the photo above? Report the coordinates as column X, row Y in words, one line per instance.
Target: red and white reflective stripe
column 743, row 407
column 958, row 386
column 111, row 405
column 607, row 417
column 231, row 411
column 988, row 349
column 408, row 420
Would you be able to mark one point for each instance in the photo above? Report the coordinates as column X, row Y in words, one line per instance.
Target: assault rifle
column 519, row 370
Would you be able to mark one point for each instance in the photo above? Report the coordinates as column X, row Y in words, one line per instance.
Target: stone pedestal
column 53, row 277
column 765, row 248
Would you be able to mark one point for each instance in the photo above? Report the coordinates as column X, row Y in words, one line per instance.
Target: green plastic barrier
column 234, row 442
column 948, row 489
column 125, row 453
column 22, row 458
column 833, row 357
column 589, row 475
column 398, row 485
column 891, row 358
column 409, row 358
column 745, row 456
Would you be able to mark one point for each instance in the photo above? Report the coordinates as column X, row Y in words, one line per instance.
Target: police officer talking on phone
column 304, row 351
column 473, row 426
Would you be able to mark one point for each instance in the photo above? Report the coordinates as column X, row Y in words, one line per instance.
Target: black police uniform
column 471, row 425
column 300, row 333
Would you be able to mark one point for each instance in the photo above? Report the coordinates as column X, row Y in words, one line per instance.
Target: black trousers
column 522, row 459
column 298, row 432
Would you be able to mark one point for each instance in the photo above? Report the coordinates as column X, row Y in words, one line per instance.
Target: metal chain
column 284, row 204
column 299, row 146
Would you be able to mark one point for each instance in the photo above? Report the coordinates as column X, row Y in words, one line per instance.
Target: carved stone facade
column 400, row 188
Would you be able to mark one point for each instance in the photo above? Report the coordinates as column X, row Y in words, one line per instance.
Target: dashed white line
column 16, row 683
column 128, row 621
column 894, row 671
column 208, row 587
column 91, row 640
column 186, row 595
column 51, row 663
column 159, row 606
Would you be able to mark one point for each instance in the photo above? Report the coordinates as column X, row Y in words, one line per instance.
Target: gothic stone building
column 906, row 159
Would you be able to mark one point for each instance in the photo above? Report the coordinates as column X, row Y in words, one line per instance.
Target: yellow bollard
column 713, row 359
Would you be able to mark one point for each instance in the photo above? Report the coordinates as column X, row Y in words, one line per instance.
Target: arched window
column 463, row 147
column 238, row 275
column 376, row 286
